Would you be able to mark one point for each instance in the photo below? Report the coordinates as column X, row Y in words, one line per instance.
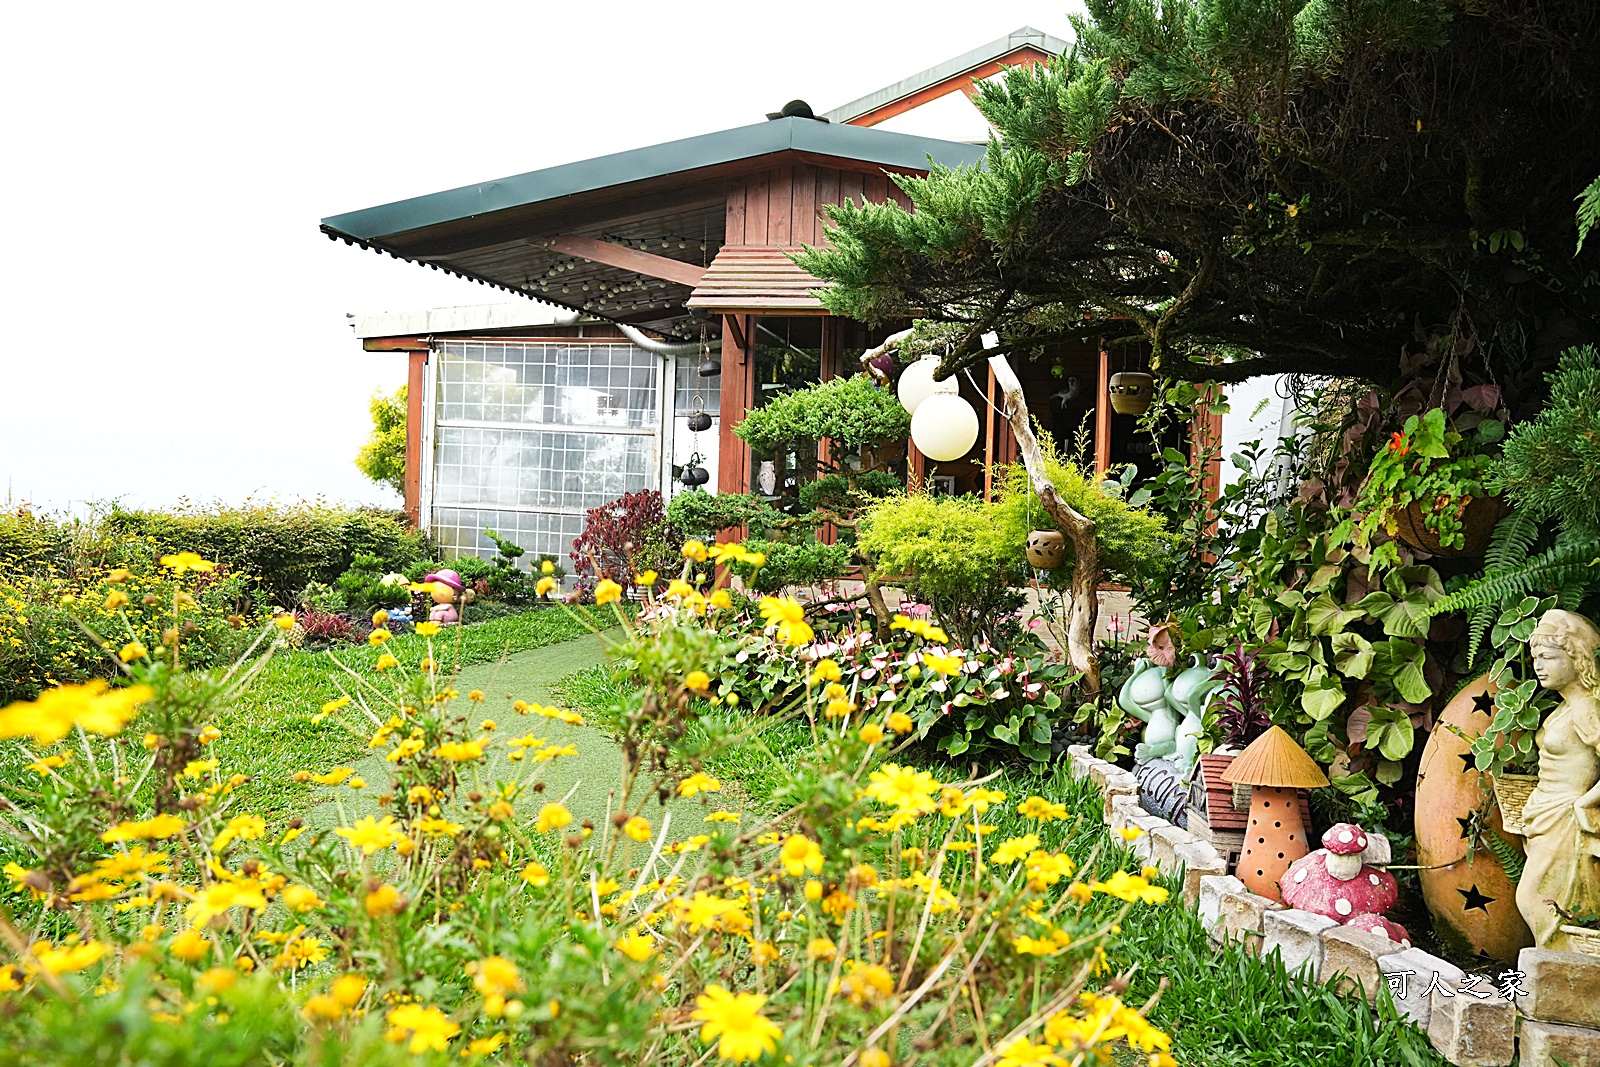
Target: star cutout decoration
column 1484, row 702
column 1468, row 764
column 1465, row 825
column 1475, row 899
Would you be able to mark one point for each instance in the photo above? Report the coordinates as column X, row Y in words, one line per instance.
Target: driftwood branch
column 1084, row 595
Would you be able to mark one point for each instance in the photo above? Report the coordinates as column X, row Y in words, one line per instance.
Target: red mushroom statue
column 1332, row 881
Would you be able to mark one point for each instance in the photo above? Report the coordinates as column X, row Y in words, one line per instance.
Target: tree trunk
column 1084, row 595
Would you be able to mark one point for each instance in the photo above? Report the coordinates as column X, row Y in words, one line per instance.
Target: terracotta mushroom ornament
column 1333, row 882
column 1276, row 769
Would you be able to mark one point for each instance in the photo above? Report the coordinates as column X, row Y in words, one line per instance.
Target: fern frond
column 1509, row 545
column 1574, row 561
column 1588, row 211
column 1508, row 857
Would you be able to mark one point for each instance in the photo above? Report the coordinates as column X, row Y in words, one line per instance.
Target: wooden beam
column 414, row 458
column 625, row 258
column 1025, row 56
column 1102, row 415
column 732, row 325
column 394, row 344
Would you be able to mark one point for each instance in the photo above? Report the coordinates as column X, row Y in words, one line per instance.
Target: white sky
column 175, row 321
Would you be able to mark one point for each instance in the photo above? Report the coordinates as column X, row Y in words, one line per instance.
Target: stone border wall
column 1554, row 1017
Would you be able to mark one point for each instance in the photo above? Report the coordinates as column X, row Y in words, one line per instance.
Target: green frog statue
column 1172, row 709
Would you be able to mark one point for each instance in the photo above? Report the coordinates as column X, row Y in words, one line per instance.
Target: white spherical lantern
column 917, row 384
column 944, row 427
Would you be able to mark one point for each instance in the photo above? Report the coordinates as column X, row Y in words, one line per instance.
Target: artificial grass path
column 590, row 776
column 270, row 735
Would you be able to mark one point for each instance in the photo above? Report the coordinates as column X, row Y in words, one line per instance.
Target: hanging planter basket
column 1511, row 792
column 1478, row 520
column 699, row 421
column 1046, row 549
column 1131, row 392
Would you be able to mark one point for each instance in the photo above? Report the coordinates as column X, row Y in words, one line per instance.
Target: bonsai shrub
column 365, row 589
column 701, row 515
column 851, row 412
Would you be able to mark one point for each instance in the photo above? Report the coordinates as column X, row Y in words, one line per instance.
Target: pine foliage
column 1305, row 182
column 1550, row 465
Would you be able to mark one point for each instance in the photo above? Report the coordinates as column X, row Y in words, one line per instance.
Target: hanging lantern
column 944, row 427
column 1131, row 392
column 917, row 384
column 1046, row 549
column 699, row 421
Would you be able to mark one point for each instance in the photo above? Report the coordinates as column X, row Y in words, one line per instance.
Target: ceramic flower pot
column 699, row 421
column 1046, row 549
column 1132, row 392
column 1477, row 527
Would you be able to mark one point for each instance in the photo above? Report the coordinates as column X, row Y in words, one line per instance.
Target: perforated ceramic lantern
column 1046, row 548
column 1131, row 392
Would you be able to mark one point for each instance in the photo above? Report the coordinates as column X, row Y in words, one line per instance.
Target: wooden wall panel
column 780, row 206
column 755, row 208
column 735, row 216
column 803, row 227
column 827, row 193
column 876, row 188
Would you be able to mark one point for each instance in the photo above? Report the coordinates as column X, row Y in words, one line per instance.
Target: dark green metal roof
column 895, row 150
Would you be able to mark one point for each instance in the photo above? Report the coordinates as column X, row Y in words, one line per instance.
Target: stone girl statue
column 1562, row 817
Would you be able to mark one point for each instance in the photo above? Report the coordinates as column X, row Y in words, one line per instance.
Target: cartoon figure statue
column 444, row 586
column 1561, row 819
column 1189, row 693
column 1172, row 710
column 1144, row 696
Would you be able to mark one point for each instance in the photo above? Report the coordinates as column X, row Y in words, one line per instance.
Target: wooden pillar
column 418, row 364
column 737, row 388
column 991, row 455
column 1102, row 415
column 1205, row 440
column 831, row 357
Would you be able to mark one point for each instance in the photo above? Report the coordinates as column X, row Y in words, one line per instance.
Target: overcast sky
column 176, row 324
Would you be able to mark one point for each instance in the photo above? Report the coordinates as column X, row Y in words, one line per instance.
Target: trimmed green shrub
column 797, row 563
column 285, row 547
column 1133, row 541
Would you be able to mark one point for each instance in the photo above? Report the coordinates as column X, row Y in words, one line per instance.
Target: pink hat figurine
column 448, row 577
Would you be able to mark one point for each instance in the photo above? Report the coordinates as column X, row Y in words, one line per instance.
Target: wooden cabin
column 665, row 276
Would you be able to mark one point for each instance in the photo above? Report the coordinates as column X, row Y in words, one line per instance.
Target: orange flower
column 1397, row 443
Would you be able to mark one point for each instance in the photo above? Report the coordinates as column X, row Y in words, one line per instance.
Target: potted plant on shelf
column 1428, row 486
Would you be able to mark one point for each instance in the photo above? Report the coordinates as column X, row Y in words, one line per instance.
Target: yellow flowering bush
column 467, row 913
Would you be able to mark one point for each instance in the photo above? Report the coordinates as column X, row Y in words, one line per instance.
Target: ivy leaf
column 1356, row 786
column 1352, row 654
column 1403, row 616
column 1323, row 698
column 1327, row 617
column 1391, row 733
column 1389, row 771
column 1399, row 663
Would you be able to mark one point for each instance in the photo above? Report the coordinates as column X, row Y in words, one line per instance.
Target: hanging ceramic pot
column 710, row 368
column 699, row 421
column 693, row 476
column 1131, row 392
column 1046, row 548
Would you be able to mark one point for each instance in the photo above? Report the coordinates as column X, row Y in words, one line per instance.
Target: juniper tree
column 1325, row 187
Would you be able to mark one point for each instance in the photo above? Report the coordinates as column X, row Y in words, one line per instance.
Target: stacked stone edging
column 1556, row 1020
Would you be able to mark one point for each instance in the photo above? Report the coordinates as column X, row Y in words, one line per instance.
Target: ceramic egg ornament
column 944, row 427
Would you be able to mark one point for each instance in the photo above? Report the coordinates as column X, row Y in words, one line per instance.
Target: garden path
column 532, row 676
